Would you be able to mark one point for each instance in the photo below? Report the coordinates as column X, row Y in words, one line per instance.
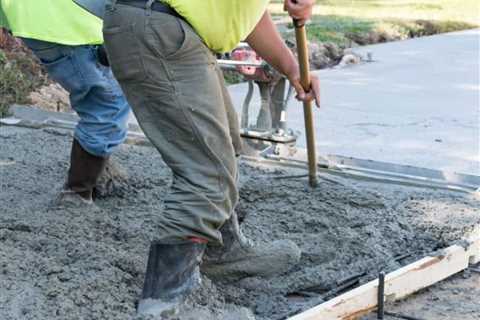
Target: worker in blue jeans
column 66, row 39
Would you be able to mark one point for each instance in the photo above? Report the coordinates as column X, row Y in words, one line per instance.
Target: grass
column 337, row 29
column 467, row 11
column 344, row 22
column 344, row 31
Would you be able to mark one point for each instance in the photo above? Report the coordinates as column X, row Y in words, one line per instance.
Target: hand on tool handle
column 268, row 43
column 300, row 10
column 312, row 94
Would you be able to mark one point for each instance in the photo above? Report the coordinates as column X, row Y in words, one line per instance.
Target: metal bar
column 354, row 174
column 246, row 106
column 340, row 289
column 477, row 270
column 406, row 170
column 224, row 62
column 402, row 256
column 401, row 316
column 295, row 176
column 381, row 296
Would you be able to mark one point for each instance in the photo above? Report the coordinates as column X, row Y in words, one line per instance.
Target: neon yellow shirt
column 222, row 24
column 3, row 19
column 59, row 21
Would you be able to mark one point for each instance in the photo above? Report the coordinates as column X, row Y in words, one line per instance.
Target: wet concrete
column 89, row 264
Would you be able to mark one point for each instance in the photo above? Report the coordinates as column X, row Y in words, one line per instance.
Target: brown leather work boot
column 85, row 169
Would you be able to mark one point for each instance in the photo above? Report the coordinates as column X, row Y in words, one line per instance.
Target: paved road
column 417, row 103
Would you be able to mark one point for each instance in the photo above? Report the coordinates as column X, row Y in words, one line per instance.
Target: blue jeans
column 94, row 94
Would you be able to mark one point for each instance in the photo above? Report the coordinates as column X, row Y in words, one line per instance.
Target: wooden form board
column 398, row 284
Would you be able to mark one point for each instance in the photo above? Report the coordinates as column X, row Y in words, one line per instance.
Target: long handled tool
column 301, row 37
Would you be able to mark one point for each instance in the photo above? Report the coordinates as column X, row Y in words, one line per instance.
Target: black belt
column 156, row 6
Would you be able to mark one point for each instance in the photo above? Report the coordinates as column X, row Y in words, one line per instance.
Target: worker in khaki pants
column 162, row 53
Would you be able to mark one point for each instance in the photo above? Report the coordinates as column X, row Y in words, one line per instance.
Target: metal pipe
column 401, row 316
column 381, row 296
column 235, row 63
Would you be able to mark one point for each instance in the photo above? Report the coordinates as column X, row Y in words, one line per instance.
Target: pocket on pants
column 124, row 53
column 62, row 68
column 50, row 56
column 162, row 109
column 167, row 35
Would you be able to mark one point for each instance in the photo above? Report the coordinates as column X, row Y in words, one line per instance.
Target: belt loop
column 148, row 7
column 110, row 6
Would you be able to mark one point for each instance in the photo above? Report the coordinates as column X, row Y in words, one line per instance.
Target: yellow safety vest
column 59, row 21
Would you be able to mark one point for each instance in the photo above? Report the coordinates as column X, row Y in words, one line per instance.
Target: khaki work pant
column 178, row 95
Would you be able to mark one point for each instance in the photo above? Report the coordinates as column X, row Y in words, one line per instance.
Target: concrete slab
column 416, row 104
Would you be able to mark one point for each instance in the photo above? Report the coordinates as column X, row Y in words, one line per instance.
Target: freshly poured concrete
column 89, row 263
column 417, row 103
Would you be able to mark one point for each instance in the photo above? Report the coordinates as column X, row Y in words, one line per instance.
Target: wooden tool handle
column 302, row 49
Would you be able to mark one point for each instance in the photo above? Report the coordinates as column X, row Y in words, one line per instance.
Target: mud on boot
column 241, row 258
column 70, row 199
column 172, row 274
column 83, row 174
column 113, row 181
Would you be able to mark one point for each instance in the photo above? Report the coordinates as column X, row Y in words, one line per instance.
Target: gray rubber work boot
column 172, row 273
column 85, row 169
column 241, row 258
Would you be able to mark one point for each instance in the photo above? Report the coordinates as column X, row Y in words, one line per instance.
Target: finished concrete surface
column 417, row 104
